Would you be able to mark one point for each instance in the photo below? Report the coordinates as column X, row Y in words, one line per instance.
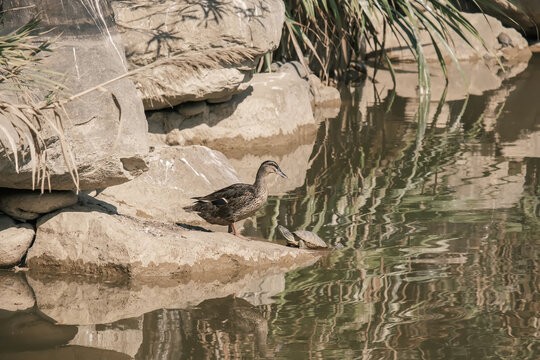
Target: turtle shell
column 291, row 239
column 310, row 239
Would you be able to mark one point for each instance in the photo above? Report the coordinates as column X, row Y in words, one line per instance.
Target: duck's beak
column 281, row 173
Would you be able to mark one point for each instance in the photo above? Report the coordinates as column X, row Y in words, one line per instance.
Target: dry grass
column 182, row 66
column 21, row 125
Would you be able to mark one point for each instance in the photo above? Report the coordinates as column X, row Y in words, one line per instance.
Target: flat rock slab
column 274, row 106
column 175, row 175
column 14, row 241
column 29, row 205
column 81, row 240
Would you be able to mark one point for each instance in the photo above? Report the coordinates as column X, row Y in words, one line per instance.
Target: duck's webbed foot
column 232, row 229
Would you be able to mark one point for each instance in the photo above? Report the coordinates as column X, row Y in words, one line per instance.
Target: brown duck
column 236, row 202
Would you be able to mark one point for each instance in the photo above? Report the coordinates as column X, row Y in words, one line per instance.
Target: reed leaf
column 347, row 22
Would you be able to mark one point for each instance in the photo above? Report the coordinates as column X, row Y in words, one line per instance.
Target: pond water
column 436, row 210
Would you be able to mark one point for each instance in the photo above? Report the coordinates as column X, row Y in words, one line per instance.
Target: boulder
column 29, row 205
column 175, row 175
column 15, row 239
column 152, row 31
column 105, row 129
column 274, row 106
column 15, row 294
column 489, row 29
column 82, row 240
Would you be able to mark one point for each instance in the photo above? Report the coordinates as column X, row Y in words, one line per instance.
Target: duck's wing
column 228, row 194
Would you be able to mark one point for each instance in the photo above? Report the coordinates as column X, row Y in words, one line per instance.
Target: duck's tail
column 188, row 208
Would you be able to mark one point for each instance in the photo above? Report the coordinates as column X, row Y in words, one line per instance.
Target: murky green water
column 437, row 209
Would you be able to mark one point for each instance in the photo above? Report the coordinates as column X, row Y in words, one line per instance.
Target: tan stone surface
column 81, row 240
column 175, row 175
column 14, row 241
column 153, row 30
column 29, row 205
column 274, row 106
column 15, row 294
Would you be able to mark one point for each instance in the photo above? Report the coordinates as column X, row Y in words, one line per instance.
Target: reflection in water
column 437, row 207
column 218, row 328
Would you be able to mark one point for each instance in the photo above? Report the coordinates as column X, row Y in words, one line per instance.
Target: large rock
column 175, row 175
column 105, row 129
column 15, row 294
column 153, row 30
column 80, row 240
column 15, row 239
column 489, row 29
column 29, row 205
column 276, row 105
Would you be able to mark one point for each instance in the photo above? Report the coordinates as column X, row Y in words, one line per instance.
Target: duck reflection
column 226, row 327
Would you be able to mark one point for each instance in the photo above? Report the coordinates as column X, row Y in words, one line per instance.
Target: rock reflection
column 217, row 328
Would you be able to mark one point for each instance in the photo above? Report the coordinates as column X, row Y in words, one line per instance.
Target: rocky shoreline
column 144, row 147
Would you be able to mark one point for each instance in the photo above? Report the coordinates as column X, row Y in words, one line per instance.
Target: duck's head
column 270, row 167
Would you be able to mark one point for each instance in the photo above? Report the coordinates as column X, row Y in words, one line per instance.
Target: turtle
column 302, row 239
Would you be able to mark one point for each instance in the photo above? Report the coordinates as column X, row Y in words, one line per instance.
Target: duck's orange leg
column 235, row 232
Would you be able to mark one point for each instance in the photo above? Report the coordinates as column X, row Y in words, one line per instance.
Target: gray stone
column 175, row 175
column 103, row 128
column 15, row 239
column 29, row 205
column 153, row 30
column 81, row 240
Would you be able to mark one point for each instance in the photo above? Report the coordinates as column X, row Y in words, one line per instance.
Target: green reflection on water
column 440, row 229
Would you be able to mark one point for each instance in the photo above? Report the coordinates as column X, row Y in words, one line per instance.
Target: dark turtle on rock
column 302, row 238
